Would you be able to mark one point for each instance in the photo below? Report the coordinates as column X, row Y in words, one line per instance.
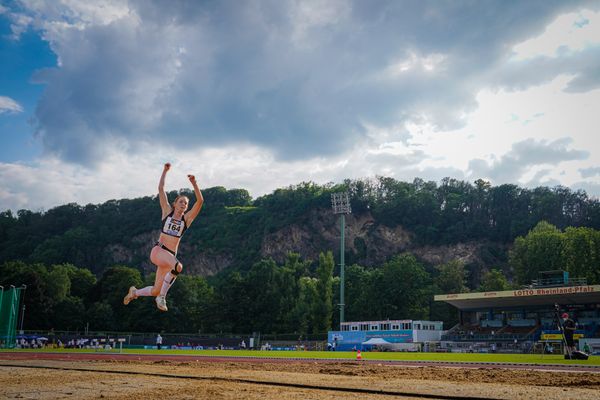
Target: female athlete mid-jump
column 175, row 220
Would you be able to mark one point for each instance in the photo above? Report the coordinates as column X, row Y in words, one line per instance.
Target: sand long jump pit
column 146, row 378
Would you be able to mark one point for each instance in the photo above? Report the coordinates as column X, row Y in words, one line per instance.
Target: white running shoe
column 130, row 295
column 161, row 303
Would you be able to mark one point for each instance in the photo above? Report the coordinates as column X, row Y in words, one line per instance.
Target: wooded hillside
column 268, row 258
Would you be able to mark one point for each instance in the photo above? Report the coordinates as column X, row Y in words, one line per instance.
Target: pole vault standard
column 340, row 203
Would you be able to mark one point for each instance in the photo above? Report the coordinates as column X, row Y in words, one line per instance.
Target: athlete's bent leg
column 170, row 278
column 134, row 293
column 147, row 291
column 168, row 268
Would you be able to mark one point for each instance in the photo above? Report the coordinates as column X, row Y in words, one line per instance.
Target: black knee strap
column 174, row 270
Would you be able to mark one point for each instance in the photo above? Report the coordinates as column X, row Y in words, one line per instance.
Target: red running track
column 186, row 358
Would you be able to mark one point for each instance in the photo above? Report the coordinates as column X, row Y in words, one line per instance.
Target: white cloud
column 524, row 155
column 544, row 114
column 310, row 16
column 427, row 63
column 8, row 105
column 292, row 77
column 264, row 94
column 50, row 182
column 571, row 32
column 589, row 172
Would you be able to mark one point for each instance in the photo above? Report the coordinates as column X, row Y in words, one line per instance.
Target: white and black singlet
column 173, row 227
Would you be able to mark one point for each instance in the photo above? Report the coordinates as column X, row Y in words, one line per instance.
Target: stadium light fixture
column 340, row 203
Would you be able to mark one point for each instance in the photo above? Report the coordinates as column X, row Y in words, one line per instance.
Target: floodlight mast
column 340, row 203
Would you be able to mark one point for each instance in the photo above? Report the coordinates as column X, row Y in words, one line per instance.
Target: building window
column 354, row 327
column 385, row 327
column 395, row 327
column 364, row 327
column 345, row 327
column 374, row 327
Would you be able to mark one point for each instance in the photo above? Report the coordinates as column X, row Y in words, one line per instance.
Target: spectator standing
column 159, row 341
column 569, row 327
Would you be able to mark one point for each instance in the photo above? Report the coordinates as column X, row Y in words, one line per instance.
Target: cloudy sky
column 96, row 95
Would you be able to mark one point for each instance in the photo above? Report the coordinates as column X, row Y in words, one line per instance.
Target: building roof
column 523, row 297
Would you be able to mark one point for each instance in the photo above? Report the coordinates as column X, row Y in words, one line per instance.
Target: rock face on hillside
column 371, row 243
column 466, row 253
column 367, row 243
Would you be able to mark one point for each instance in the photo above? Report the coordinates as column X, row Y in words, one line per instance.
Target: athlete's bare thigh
column 162, row 258
column 164, row 262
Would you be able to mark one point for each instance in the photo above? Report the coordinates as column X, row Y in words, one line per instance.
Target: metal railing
column 556, row 282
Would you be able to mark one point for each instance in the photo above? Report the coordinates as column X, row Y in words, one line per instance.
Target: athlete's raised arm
column 193, row 213
column 162, row 196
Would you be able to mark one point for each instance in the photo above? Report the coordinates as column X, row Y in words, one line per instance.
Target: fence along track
column 258, row 382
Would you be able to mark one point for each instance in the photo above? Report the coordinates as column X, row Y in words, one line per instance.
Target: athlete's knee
column 177, row 268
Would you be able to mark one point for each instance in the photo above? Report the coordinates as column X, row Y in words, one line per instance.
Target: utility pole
column 341, row 205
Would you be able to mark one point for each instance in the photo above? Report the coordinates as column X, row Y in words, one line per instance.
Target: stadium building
column 525, row 319
column 385, row 335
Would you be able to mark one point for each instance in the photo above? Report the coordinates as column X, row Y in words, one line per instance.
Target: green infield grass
column 342, row 355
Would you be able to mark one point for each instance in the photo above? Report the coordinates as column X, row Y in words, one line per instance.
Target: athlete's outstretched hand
column 167, row 167
column 192, row 179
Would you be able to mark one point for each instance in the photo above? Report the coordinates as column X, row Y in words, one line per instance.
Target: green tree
column 58, row 284
column 451, row 278
column 323, row 304
column 82, row 282
column 101, row 316
column 114, row 284
column 493, row 280
column 540, row 250
column 263, row 288
column 110, row 290
column 233, row 304
column 69, row 314
column 76, row 245
column 580, row 253
column 359, row 293
column 290, row 274
column 194, row 299
column 38, row 302
column 307, row 298
column 402, row 289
